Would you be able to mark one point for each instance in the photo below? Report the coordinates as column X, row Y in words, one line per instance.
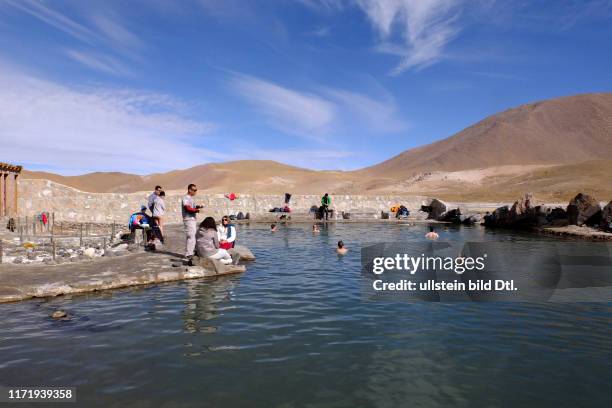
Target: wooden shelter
column 9, row 191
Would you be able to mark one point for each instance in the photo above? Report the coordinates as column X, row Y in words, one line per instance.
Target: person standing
column 159, row 210
column 325, row 203
column 152, row 197
column 189, row 212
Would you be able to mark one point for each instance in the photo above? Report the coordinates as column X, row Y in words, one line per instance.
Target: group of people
column 207, row 240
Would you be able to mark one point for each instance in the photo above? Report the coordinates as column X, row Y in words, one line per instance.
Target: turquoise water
column 295, row 331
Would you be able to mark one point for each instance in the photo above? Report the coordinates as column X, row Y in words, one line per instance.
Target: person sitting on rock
column 341, row 250
column 227, row 233
column 432, row 234
column 207, row 243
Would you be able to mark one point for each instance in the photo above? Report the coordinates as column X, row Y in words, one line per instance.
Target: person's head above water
column 431, row 229
column 209, row 223
column 273, row 227
column 340, row 244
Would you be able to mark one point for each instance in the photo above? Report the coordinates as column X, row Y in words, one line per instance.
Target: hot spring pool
column 295, row 331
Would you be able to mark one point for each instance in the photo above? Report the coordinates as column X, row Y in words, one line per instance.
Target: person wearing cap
column 189, row 212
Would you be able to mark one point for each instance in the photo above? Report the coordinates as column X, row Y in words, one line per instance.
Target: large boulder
column 469, row 219
column 606, row 218
column 453, row 216
column 245, row 253
column 435, row 209
column 524, row 213
column 213, row 267
column 584, row 210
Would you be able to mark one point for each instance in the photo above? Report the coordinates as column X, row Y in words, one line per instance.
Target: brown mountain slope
column 557, row 147
column 246, row 176
column 563, row 130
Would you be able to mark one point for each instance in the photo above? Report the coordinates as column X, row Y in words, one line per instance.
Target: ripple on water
column 294, row 330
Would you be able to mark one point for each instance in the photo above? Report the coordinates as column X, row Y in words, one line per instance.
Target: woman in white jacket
column 226, row 233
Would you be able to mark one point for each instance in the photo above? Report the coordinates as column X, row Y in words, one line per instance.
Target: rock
column 384, row 215
column 557, row 213
column 177, row 264
column 453, row 216
column 18, row 260
column 470, row 219
column 89, row 252
column 49, row 262
column 606, row 218
column 59, row 314
column 435, row 209
column 108, row 253
column 31, row 256
column 245, row 253
column 583, row 210
column 215, row 267
column 524, row 213
column 121, row 247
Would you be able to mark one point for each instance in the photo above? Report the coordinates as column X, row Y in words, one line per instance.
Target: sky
column 152, row 86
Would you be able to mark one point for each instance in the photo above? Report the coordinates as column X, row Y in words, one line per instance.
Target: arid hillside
column 553, row 148
column 564, row 130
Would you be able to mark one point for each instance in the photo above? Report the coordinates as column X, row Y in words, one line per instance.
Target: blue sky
column 147, row 86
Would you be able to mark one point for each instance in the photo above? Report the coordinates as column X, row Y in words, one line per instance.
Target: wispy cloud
column 78, row 130
column 96, row 29
column 288, row 110
column 379, row 115
column 99, row 62
column 320, row 112
column 54, row 18
column 424, row 28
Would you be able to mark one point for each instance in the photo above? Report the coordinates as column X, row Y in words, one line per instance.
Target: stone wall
column 70, row 204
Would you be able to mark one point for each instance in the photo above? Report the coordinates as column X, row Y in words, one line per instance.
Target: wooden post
column 103, row 242
column 112, row 238
column 1, row 250
column 81, row 236
column 15, row 196
column 53, row 245
column 21, row 235
column 26, row 225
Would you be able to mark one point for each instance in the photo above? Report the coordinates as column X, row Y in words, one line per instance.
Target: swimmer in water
column 315, row 228
column 432, row 235
column 341, row 250
column 273, row 228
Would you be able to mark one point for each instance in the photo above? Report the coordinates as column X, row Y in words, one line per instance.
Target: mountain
column 563, row 130
column 554, row 148
column 246, row 176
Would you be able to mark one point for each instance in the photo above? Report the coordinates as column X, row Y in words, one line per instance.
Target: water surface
column 295, row 331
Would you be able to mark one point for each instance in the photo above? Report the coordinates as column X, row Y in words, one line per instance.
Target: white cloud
column 72, row 130
column 424, row 26
column 99, row 62
column 322, row 112
column 287, row 110
column 379, row 115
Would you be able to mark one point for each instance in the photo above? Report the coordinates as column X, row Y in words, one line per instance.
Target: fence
column 49, row 235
